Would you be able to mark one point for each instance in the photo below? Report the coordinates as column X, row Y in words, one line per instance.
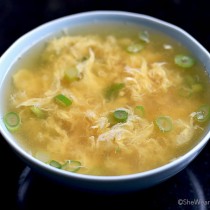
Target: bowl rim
column 43, row 28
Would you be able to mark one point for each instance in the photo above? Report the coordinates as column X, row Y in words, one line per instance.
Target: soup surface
column 110, row 103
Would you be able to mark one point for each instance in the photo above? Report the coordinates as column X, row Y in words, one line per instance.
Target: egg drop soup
column 108, row 101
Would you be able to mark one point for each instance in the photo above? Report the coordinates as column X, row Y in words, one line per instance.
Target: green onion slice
column 111, row 119
column 38, row 112
column 72, row 74
column 117, row 149
column 190, row 80
column 112, row 92
column 144, row 36
column 12, row 121
column 71, row 165
column 203, row 113
column 63, row 100
column 164, row 123
column 139, row 110
column 55, row 164
column 185, row 92
column 184, row 61
column 120, row 115
column 134, row 48
column 197, row 88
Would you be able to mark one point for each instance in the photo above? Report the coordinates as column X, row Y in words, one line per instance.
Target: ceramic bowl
column 114, row 184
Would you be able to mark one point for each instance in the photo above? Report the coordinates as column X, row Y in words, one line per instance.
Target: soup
column 109, row 102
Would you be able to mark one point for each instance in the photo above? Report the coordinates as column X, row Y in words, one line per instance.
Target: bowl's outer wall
column 114, row 184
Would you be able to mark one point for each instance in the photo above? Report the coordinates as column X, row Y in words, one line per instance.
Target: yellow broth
column 108, row 78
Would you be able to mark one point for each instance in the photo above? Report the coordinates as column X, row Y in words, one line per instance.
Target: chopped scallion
column 112, row 121
column 189, row 80
column 191, row 85
column 12, row 121
column 120, row 115
column 63, row 100
column 112, row 92
column 55, row 164
column 71, row 165
column 184, row 61
column 38, row 112
column 185, row 92
column 117, row 149
column 203, row 113
column 197, row 88
column 164, row 123
column 134, row 48
column 71, row 74
column 144, row 36
column 139, row 110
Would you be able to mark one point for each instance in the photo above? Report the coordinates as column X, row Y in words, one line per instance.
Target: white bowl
column 114, row 184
